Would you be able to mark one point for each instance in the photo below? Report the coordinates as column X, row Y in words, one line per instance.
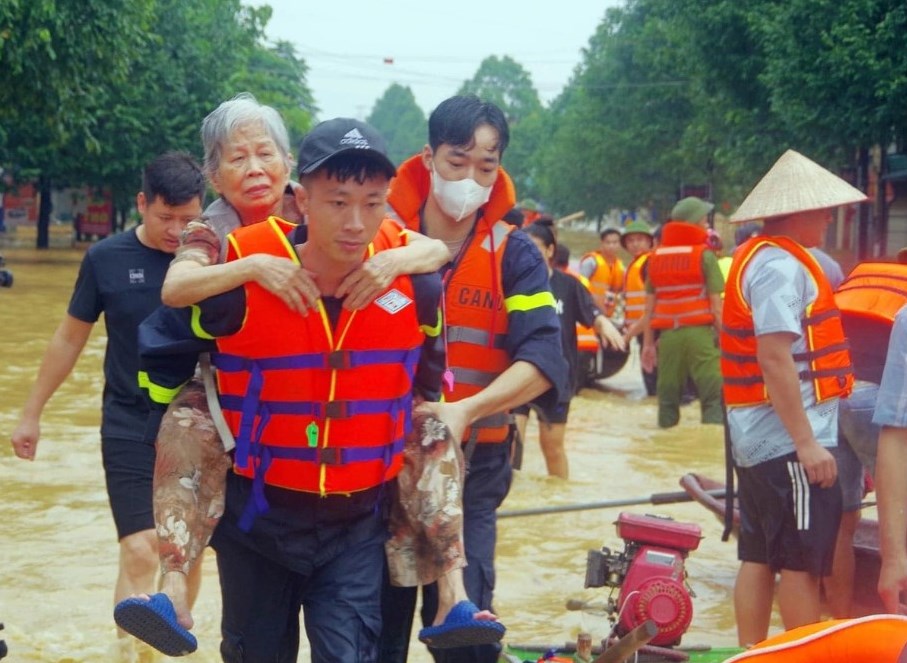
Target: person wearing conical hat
column 785, row 364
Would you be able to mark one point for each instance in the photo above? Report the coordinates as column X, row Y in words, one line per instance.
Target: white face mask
column 461, row 198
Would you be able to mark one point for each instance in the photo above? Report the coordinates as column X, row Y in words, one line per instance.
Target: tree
column 57, row 60
column 121, row 81
column 400, row 120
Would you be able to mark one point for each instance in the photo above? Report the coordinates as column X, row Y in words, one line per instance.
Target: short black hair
column 175, row 178
column 514, row 217
column 609, row 231
column 561, row 255
column 357, row 165
column 456, row 119
column 542, row 231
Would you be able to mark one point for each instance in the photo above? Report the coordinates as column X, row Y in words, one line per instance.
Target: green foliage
column 399, row 119
column 504, row 82
column 90, row 91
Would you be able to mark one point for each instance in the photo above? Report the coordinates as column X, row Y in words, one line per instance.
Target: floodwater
column 58, row 557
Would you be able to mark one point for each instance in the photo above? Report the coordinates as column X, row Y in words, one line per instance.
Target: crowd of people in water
column 323, row 377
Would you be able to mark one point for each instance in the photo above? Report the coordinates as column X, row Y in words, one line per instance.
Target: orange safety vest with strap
column 316, row 408
column 675, row 272
column 635, row 289
column 869, row 298
column 475, row 317
column 829, row 367
column 606, row 278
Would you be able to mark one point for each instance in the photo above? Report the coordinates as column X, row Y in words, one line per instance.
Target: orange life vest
column 635, row 289
column 675, row 271
column 869, row 298
column 314, row 408
column 875, row 290
column 829, row 368
column 475, row 320
column 607, row 278
column 873, row 639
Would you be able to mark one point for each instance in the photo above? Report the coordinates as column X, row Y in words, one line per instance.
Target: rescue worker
column 605, row 271
column 683, row 304
column 501, row 330
column 319, row 406
column 785, row 364
column 869, row 299
column 637, row 240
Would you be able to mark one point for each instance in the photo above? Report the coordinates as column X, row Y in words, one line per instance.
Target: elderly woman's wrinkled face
column 252, row 173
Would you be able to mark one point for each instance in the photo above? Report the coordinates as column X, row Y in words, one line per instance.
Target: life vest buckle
column 330, row 456
column 339, row 359
column 337, row 410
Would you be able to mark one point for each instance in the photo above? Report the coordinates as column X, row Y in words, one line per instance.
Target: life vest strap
column 258, row 504
column 475, row 336
column 473, row 377
column 336, row 360
column 338, row 409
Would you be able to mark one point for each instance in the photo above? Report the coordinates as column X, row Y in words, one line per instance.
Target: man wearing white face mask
column 501, row 330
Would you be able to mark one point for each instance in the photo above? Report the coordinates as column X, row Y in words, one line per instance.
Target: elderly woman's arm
column 420, row 255
column 195, row 274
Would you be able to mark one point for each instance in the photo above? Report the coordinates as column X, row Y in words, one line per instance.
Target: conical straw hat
column 795, row 184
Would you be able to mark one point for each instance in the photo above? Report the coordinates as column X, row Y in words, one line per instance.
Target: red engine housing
column 653, row 587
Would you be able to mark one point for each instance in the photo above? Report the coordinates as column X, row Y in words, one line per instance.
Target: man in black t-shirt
column 121, row 277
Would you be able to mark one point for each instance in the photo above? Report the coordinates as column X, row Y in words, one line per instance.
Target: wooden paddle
column 628, row 645
column 655, row 498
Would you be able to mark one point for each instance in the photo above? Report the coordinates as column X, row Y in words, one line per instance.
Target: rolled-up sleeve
column 891, row 404
column 534, row 333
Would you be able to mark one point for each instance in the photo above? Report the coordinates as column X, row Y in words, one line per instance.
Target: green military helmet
column 637, row 227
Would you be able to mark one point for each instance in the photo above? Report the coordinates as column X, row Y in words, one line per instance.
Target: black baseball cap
column 339, row 136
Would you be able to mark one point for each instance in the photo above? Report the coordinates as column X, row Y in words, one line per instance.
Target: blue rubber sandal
column 154, row 621
column 461, row 629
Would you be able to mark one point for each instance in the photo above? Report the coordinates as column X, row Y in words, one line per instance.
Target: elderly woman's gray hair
column 241, row 110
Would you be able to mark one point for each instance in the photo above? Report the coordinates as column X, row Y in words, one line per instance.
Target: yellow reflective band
column 435, row 331
column 529, row 302
column 157, row 393
column 196, row 324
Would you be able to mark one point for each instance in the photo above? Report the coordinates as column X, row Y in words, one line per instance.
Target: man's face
column 343, row 217
column 478, row 161
column 637, row 243
column 164, row 223
column 811, row 227
column 610, row 245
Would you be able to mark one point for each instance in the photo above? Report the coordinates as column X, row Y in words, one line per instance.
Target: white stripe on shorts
column 800, row 483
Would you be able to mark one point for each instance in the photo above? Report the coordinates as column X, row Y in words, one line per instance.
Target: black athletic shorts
column 785, row 522
column 556, row 414
column 129, row 471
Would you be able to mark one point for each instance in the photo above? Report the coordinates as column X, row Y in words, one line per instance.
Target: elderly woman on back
column 247, row 161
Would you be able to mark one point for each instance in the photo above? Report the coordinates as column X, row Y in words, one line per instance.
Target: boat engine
column 650, row 575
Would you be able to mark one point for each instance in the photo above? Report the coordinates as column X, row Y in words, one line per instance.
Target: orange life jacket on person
column 829, row 367
column 475, row 319
column 607, row 278
column 873, row 639
column 635, row 289
column 676, row 273
column 869, row 298
column 315, row 408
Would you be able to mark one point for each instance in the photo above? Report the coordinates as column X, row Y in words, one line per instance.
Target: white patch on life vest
column 393, row 301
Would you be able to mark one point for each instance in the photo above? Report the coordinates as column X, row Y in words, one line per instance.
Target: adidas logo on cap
column 353, row 138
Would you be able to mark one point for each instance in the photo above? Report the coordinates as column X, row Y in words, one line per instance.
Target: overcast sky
column 434, row 46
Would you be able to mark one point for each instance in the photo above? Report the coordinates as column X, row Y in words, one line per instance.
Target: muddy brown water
column 59, row 553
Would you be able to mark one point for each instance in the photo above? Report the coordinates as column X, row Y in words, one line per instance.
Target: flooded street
column 59, row 553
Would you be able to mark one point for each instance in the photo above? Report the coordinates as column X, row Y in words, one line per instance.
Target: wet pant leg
column 705, row 369
column 672, row 376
